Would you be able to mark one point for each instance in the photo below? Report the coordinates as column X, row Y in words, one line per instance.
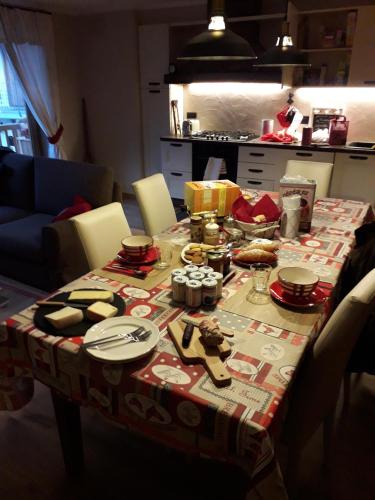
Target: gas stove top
column 225, row 135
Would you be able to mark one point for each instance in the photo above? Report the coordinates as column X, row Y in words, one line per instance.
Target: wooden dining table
column 175, row 403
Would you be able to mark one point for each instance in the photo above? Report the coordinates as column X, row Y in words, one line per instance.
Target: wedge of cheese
column 100, row 310
column 67, row 316
column 88, row 296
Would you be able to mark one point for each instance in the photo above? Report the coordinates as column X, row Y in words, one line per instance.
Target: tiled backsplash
column 242, row 106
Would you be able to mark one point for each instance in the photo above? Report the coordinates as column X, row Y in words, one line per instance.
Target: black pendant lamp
column 217, row 43
column 284, row 53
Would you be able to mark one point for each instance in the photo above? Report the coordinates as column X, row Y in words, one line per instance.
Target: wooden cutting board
column 197, row 352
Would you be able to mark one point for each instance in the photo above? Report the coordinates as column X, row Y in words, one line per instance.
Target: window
column 14, row 127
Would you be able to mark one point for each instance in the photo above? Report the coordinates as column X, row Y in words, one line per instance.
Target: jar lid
column 215, row 276
column 196, row 219
column 178, row 272
column 206, row 269
column 215, row 256
column 194, row 284
column 197, row 275
column 180, row 279
column 191, row 268
column 209, row 283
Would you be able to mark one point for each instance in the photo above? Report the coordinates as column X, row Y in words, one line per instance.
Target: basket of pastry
column 261, row 250
column 259, row 220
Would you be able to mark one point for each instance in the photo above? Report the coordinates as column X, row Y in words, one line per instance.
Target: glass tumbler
column 260, row 274
column 165, row 255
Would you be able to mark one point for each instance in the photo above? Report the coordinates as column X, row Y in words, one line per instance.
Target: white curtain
column 29, row 44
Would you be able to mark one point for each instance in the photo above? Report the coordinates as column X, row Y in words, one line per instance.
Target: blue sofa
column 34, row 249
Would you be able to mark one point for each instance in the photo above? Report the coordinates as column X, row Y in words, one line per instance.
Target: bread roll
column 257, row 255
column 267, row 246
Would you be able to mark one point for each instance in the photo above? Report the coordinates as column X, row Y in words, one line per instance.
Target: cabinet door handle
column 176, row 174
column 257, row 183
column 154, row 83
column 355, row 157
column 255, row 170
column 154, row 91
column 369, row 82
column 303, row 154
column 175, row 145
column 256, row 154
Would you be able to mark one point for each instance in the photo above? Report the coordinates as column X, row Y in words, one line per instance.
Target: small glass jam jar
column 216, row 260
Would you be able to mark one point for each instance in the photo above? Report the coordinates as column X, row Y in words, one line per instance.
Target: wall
column 241, row 106
column 106, row 47
column 65, row 28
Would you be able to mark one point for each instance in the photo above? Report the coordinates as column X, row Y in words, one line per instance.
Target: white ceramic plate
column 121, row 352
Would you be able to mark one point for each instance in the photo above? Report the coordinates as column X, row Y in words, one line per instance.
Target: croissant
column 268, row 246
column 257, row 255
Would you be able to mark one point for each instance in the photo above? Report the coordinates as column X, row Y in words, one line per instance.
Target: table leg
column 68, row 421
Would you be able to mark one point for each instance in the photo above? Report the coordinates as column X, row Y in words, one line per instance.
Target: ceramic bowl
column 298, row 281
column 137, row 246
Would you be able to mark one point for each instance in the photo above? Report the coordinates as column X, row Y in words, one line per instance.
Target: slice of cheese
column 67, row 316
column 100, row 310
column 88, row 296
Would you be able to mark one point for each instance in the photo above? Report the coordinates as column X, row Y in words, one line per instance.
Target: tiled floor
column 120, row 466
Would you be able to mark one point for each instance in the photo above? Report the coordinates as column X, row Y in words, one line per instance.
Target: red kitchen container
column 338, row 131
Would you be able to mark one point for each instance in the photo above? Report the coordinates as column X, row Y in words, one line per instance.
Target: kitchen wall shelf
column 333, row 49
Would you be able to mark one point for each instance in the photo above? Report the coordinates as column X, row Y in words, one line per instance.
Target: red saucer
column 317, row 297
column 151, row 256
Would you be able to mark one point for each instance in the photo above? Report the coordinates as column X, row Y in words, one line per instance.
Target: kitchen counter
column 296, row 146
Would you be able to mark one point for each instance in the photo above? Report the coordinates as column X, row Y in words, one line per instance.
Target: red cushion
column 80, row 205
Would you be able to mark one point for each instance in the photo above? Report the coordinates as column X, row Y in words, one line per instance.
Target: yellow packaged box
column 201, row 196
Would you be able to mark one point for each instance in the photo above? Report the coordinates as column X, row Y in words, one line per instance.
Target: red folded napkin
column 244, row 212
column 285, row 138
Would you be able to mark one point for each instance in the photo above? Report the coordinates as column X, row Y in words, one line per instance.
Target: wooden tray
column 197, row 352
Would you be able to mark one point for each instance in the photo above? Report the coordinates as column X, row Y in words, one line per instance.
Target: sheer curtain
column 29, row 44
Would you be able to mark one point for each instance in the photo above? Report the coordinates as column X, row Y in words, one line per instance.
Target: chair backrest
column 320, row 172
column 155, row 204
column 317, row 385
column 100, row 232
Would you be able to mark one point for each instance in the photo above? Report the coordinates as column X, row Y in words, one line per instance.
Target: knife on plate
column 133, row 336
column 57, row 303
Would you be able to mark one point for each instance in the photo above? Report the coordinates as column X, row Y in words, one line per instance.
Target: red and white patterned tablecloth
column 169, row 401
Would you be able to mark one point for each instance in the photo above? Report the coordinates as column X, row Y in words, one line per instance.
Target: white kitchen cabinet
column 354, row 177
column 254, row 154
column 176, row 182
column 263, row 167
column 307, row 155
column 155, row 122
column 260, row 167
column 177, row 165
column 264, row 185
column 153, row 54
column 176, row 156
column 362, row 67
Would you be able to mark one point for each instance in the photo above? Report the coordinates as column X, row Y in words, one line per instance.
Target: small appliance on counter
column 338, row 131
column 191, row 125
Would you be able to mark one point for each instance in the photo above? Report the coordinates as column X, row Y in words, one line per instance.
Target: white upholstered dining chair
column 100, row 232
column 155, row 204
column 315, row 391
column 320, row 172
